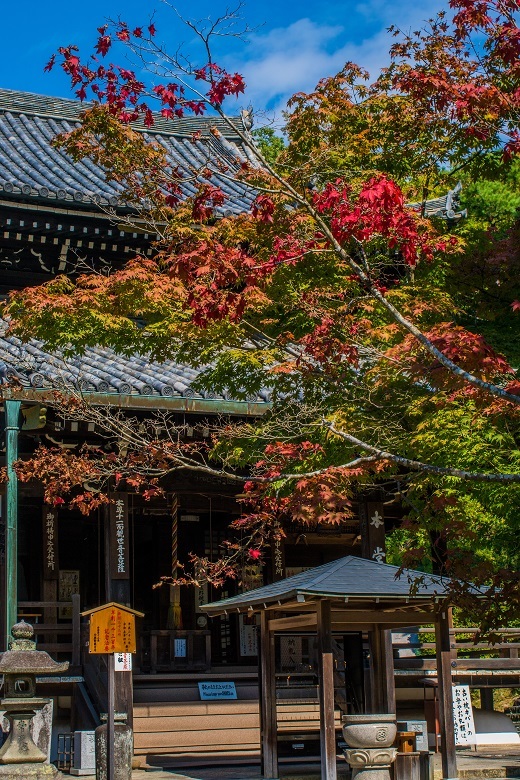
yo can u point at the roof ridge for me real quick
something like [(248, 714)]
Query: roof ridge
[(35, 104)]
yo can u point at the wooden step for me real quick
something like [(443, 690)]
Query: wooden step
[(230, 727), (174, 741)]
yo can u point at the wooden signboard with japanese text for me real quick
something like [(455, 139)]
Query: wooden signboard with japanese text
[(119, 540), (373, 537), (50, 543), (112, 630)]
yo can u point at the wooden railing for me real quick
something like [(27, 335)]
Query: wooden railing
[(49, 634), (159, 650), (466, 653), (95, 673)]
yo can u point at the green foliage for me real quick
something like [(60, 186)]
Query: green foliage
[(270, 144)]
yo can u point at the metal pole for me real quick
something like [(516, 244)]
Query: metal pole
[(110, 720), (12, 412)]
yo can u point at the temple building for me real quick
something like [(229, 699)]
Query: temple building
[(56, 562)]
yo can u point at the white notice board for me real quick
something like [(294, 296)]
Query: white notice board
[(463, 723)]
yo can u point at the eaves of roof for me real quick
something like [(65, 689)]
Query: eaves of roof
[(31, 168), (107, 377)]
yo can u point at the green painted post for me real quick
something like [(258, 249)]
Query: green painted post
[(12, 412)]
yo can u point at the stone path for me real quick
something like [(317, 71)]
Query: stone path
[(499, 762)]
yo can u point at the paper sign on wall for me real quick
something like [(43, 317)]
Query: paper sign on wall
[(180, 648), (122, 662)]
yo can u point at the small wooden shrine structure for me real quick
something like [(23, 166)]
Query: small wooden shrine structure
[(349, 594)]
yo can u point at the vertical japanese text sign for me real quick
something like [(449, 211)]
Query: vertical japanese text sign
[(463, 723), (119, 542), (50, 543), (278, 554)]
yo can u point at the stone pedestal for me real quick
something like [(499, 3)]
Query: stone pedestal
[(84, 754), (30, 772), (371, 763), (19, 747), (41, 728), (123, 751), (370, 738)]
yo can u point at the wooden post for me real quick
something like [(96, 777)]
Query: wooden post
[(387, 666), (442, 640), (326, 692), (110, 721), (377, 673), (12, 413), (76, 630), (268, 723)]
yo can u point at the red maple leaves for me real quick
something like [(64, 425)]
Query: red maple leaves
[(468, 71), (468, 350), (377, 211), (125, 94)]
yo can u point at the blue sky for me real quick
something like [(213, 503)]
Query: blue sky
[(292, 45)]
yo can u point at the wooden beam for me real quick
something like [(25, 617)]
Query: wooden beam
[(444, 658), (462, 664), (365, 616), (297, 621), (326, 692), (268, 724)]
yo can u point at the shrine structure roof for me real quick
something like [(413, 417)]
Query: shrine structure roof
[(102, 371), (32, 169), (350, 580)]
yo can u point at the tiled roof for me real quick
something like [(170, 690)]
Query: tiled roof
[(347, 577), (98, 370), (30, 167)]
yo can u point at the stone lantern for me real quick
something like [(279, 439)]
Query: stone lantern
[(20, 758)]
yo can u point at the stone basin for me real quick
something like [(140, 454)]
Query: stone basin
[(369, 731)]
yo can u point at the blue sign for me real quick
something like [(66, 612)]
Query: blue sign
[(211, 691)]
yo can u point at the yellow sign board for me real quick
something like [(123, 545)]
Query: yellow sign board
[(112, 629)]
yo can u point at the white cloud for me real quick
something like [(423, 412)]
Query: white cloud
[(290, 59)]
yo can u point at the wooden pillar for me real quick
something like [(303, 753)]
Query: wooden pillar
[(486, 699), (268, 723), (117, 584), (382, 678), (12, 413), (117, 551), (51, 565), (326, 692), (442, 640), (375, 699), (387, 666)]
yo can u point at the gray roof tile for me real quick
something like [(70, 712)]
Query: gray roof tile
[(347, 577), (30, 166), (98, 370)]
